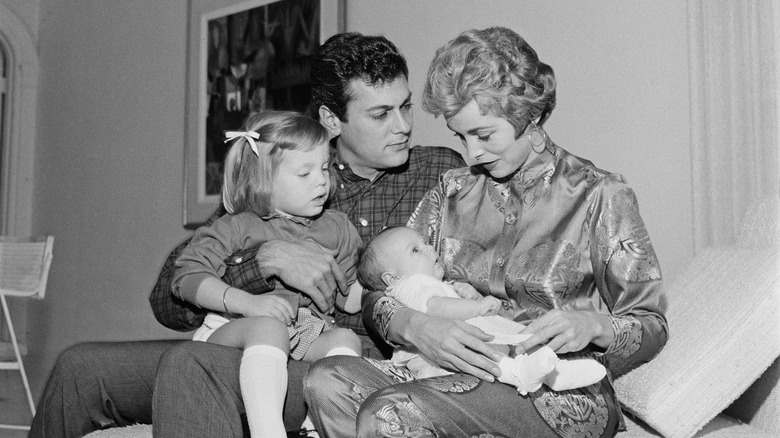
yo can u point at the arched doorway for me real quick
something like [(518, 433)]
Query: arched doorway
[(18, 104)]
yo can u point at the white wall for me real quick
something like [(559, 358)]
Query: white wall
[(111, 131), (27, 11), (109, 165)]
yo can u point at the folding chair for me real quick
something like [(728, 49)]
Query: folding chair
[(24, 270)]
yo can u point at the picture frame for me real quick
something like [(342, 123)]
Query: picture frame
[(243, 56)]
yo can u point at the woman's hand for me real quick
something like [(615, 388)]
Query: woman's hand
[(451, 344), (467, 291), (568, 330), (264, 305)]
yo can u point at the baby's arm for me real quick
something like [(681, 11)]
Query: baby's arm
[(352, 303), (349, 247), (466, 291), (462, 309)]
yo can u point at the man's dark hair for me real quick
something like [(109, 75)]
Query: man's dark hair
[(347, 56)]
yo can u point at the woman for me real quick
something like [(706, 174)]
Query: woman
[(560, 241)]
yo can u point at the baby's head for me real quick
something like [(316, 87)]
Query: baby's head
[(394, 253)]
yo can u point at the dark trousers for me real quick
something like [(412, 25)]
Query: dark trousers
[(194, 392)]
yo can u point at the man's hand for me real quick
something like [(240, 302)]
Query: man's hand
[(304, 266), (452, 344)]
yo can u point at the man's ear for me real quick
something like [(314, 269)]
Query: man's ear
[(389, 278), (330, 121)]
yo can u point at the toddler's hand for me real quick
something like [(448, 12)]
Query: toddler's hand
[(489, 305), (466, 291), (270, 305)]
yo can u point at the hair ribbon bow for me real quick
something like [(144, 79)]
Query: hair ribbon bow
[(249, 136)]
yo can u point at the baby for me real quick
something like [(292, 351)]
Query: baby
[(399, 261)]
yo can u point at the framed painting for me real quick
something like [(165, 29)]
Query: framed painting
[(243, 56)]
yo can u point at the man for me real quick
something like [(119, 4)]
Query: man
[(360, 87)]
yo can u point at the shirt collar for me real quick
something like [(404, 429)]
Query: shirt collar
[(305, 221), (344, 170)]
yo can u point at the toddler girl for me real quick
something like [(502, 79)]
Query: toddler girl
[(276, 182)]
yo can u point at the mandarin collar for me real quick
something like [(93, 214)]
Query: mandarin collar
[(531, 171)]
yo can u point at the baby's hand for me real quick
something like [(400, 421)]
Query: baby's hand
[(489, 306), (466, 291)]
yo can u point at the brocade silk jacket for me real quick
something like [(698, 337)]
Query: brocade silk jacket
[(560, 234)]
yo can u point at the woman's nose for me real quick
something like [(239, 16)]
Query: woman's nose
[(474, 150)]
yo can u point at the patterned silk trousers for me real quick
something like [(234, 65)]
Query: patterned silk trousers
[(350, 396)]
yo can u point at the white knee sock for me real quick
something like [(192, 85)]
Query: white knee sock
[(263, 378)]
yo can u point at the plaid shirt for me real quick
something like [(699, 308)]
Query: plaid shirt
[(388, 200)]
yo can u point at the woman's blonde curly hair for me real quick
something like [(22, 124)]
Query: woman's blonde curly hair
[(498, 69)]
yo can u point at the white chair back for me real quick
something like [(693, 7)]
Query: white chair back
[(24, 272), (24, 265)]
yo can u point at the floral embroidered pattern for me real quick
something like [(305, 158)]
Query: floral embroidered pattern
[(624, 241), (457, 383), (384, 309), (627, 266), (358, 395), (628, 336), (466, 260), (578, 413), (549, 273), (453, 183), (399, 373), (534, 192), (427, 216), (402, 419)]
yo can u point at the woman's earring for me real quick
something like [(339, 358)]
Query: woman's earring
[(538, 139)]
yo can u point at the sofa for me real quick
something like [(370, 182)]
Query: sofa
[(718, 374)]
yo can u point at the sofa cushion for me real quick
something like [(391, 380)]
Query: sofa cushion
[(760, 404), (760, 227), (720, 427), (134, 431), (723, 334)]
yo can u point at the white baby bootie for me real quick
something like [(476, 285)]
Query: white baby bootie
[(526, 372), (575, 373)]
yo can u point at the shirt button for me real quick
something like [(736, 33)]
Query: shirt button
[(342, 186), (511, 218), (341, 167), (499, 262), (363, 222)]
